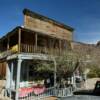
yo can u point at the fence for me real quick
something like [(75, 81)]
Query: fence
[(57, 92), (31, 96), (64, 92)]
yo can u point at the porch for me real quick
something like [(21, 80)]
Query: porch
[(21, 86), (21, 76)]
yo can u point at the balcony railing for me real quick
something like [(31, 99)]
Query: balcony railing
[(6, 53), (26, 48)]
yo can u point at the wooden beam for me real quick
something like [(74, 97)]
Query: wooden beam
[(19, 40)]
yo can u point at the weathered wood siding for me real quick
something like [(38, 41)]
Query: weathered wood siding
[(46, 27), (2, 69)]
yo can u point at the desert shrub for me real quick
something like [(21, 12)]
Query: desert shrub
[(94, 72)]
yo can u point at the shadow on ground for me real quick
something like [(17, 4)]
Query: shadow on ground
[(86, 92)]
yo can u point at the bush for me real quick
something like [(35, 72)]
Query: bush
[(91, 75), (94, 72)]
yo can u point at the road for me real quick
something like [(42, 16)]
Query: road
[(81, 97)]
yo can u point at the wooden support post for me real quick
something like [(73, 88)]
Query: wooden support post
[(36, 36), (55, 75), (7, 77), (8, 44), (19, 40), (18, 78), (74, 83), (55, 72), (60, 47), (51, 46), (11, 75), (27, 70)]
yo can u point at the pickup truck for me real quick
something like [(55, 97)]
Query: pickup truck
[(97, 88)]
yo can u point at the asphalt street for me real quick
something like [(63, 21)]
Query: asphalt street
[(81, 97)]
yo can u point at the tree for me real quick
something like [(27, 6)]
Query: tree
[(66, 64)]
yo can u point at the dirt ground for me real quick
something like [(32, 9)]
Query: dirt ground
[(51, 98), (90, 83)]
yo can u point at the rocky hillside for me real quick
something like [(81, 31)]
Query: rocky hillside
[(88, 49), (92, 52), (98, 44)]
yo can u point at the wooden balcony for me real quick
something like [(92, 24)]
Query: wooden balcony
[(26, 48), (8, 52), (25, 41)]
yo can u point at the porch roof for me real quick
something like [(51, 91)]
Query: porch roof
[(30, 56), (27, 30)]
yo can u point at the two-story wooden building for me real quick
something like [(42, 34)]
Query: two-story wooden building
[(40, 38)]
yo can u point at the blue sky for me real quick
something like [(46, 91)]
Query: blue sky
[(82, 15)]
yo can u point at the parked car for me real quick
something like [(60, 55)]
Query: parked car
[(97, 88)]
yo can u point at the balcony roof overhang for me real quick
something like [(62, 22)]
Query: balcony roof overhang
[(27, 30), (30, 56)]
